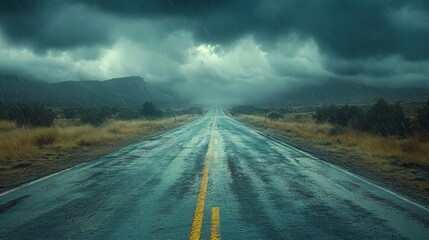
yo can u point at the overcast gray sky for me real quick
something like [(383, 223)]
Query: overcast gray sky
[(224, 46)]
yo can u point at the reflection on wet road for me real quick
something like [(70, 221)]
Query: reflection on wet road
[(214, 178)]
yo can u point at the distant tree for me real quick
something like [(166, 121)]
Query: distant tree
[(422, 120), (149, 110)]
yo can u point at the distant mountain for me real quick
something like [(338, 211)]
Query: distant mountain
[(335, 91), (118, 92)]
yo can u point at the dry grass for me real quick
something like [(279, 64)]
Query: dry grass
[(401, 162), (411, 151), (29, 153), (6, 126), (19, 144)]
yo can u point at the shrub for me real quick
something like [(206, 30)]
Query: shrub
[(382, 118), (128, 114), (32, 115), (150, 110), (386, 119), (338, 115), (422, 120), (326, 114), (274, 115), (347, 114), (45, 137), (93, 117)]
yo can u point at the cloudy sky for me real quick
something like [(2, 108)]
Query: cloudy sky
[(220, 45)]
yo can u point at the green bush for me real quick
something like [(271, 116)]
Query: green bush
[(34, 115)]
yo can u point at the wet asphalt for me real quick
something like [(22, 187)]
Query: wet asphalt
[(263, 189)]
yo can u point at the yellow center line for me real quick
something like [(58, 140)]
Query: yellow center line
[(199, 211), (215, 228), (215, 157)]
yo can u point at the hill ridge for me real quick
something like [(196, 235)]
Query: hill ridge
[(130, 91)]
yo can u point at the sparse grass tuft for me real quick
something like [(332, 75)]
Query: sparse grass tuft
[(44, 136)]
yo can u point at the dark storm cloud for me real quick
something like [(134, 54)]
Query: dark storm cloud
[(230, 45), (44, 25), (151, 8), (348, 29)]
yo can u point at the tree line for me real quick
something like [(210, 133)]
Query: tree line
[(381, 118), (38, 115)]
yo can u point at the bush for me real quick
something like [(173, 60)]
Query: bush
[(149, 110), (386, 119), (45, 137), (93, 116), (382, 118), (422, 120), (274, 115), (35, 115), (338, 115), (326, 114), (128, 114)]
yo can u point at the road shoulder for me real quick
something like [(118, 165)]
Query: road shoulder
[(401, 182), (52, 160)]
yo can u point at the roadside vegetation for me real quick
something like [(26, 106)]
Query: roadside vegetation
[(35, 140), (377, 138)]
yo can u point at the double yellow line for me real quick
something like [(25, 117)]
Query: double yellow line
[(199, 211)]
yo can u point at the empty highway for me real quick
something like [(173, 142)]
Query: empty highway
[(214, 178)]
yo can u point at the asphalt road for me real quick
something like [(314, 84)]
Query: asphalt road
[(212, 178)]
